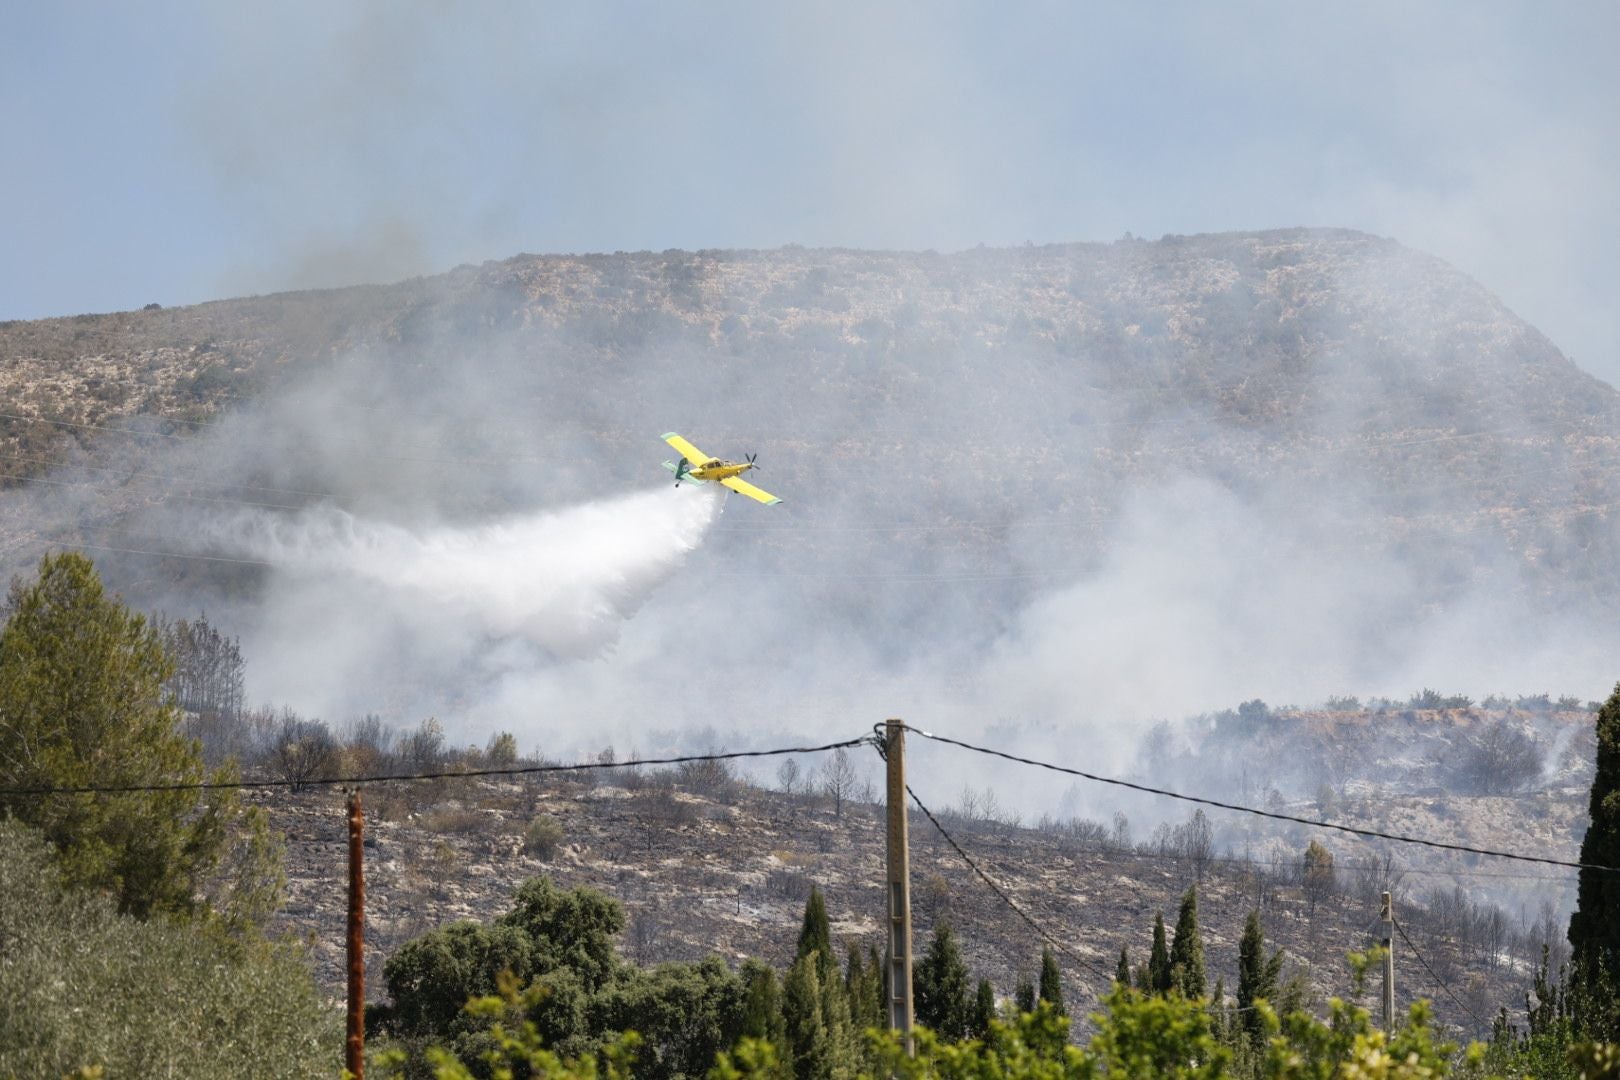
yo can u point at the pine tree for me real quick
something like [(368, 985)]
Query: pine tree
[(1122, 974), (984, 1010), (1594, 928), (1187, 949), (82, 702), (815, 935), (1316, 874), (941, 982), (1257, 974), (1159, 980), (1051, 987)]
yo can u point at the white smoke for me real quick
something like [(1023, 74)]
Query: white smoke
[(352, 597)]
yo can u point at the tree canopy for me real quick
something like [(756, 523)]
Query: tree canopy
[(83, 703)]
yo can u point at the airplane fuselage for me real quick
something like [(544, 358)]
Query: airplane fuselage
[(716, 469)]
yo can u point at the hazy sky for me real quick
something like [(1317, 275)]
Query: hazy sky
[(174, 153)]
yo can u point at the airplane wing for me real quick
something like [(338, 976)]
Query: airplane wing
[(691, 453), (686, 478), (743, 487)]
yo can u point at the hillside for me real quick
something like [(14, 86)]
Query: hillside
[(975, 389), (706, 863)]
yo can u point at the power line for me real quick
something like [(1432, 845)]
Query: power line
[(463, 774), (1007, 899), (1273, 814), (157, 494), (1438, 981), (92, 427), (1282, 864), (482, 462), (49, 542), (47, 460)]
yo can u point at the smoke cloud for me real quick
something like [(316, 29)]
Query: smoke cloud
[(1049, 498), (455, 601)]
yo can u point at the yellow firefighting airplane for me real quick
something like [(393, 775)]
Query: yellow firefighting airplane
[(698, 467)]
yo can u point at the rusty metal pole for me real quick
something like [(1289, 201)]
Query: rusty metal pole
[(355, 1051), (899, 883)]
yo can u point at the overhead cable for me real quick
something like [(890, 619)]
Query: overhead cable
[(443, 774), (1007, 899), (1438, 981), (1273, 814)]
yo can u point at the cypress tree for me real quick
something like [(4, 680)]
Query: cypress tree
[(815, 935), (762, 1005), (984, 1010), (1051, 989), (1024, 995), (942, 987), (1122, 974), (1257, 975), (880, 981), (843, 1049), (809, 1048), (1159, 960), (1187, 949), (862, 983), (1594, 928)]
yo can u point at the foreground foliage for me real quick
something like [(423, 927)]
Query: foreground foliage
[(83, 703), (559, 945), (1139, 1037), (83, 987)]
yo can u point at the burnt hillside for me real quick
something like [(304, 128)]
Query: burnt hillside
[(986, 394)]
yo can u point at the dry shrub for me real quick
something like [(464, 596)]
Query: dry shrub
[(543, 837), (663, 806), (933, 897), (786, 884), (455, 821), (386, 804), (713, 779)]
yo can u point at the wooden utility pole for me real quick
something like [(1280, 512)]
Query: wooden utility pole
[(1388, 916), (354, 1058), (899, 883)]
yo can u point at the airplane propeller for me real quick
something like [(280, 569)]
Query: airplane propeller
[(751, 461)]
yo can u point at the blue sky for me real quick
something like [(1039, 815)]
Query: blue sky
[(181, 152)]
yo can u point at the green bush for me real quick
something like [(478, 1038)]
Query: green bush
[(543, 837), (578, 996), (82, 986)]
